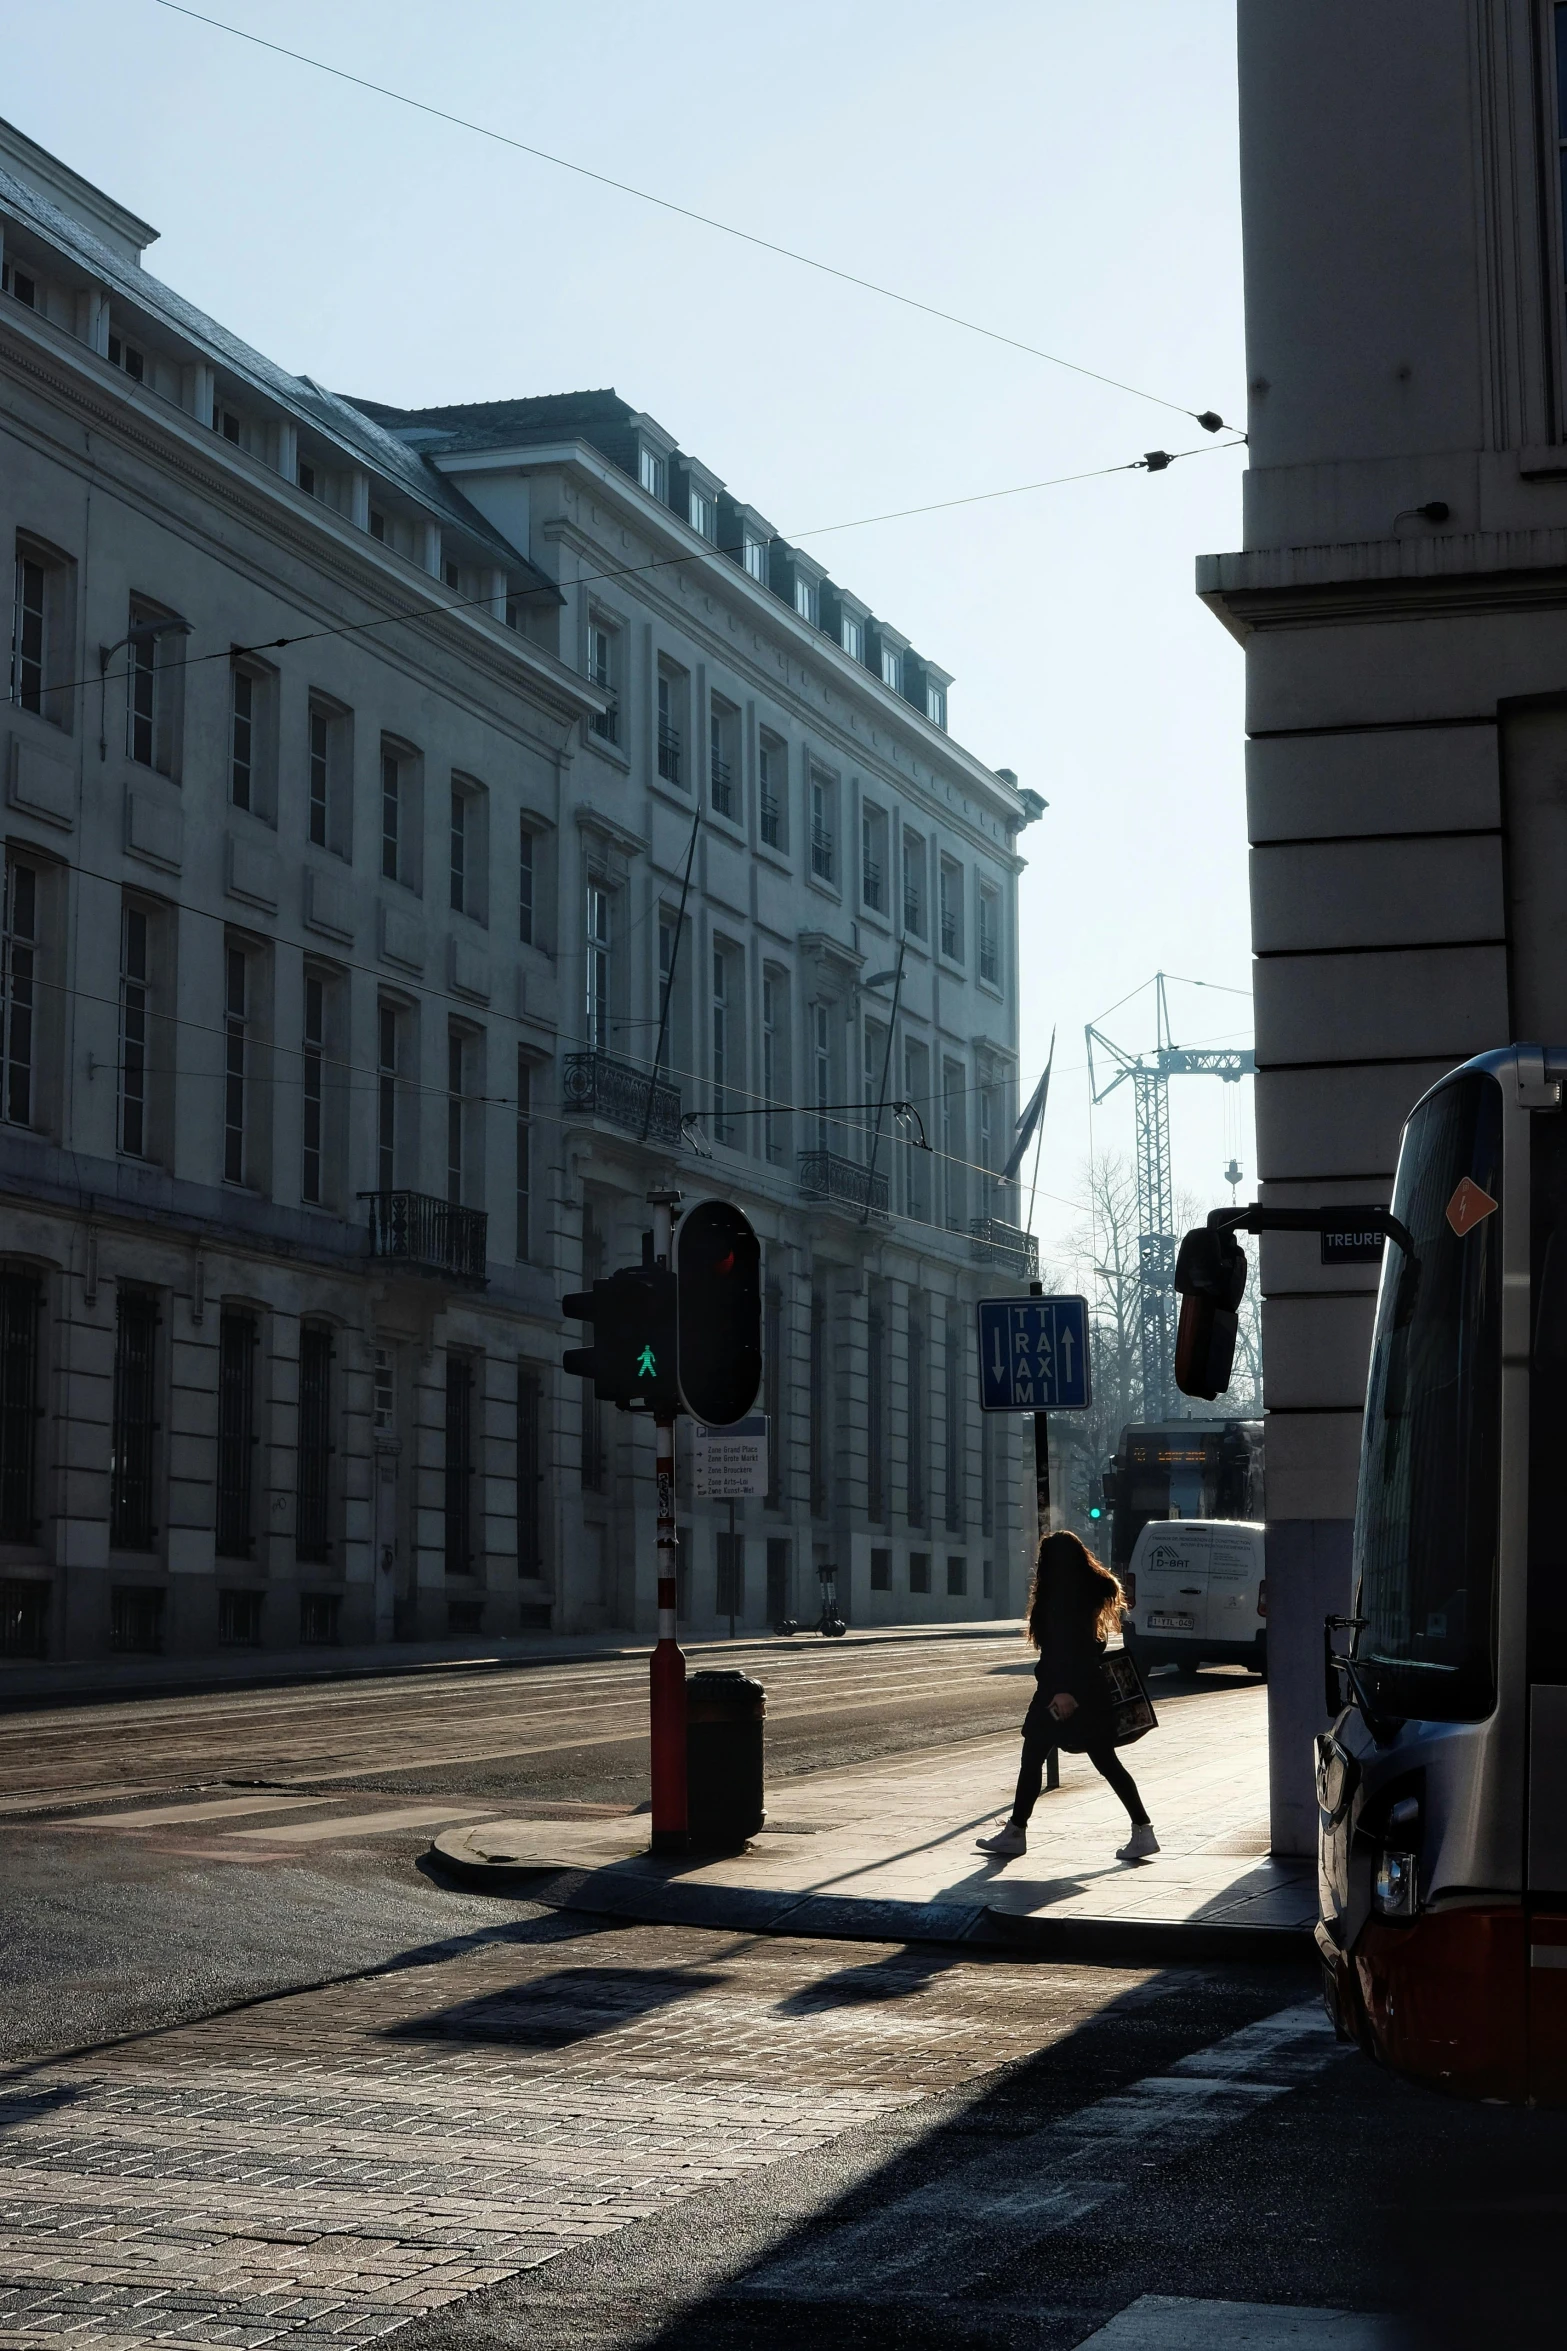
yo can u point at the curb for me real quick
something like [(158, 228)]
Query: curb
[(614, 1892)]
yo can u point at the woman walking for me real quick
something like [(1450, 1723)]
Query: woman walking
[(1073, 1608)]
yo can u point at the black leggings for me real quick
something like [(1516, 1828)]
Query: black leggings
[(1103, 1757)]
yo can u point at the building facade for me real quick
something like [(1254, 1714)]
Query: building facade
[(1402, 600), (360, 976)]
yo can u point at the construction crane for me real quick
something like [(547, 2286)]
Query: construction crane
[(1150, 1074)]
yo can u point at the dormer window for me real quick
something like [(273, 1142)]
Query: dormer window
[(377, 523), (755, 553), (307, 478), (453, 576), (225, 421), (936, 705), (703, 512), (851, 635), (892, 668), (650, 473), (16, 282), (126, 355), (805, 599)]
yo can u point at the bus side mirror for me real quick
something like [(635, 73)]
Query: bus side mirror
[(1210, 1274)]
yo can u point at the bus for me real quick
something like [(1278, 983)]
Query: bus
[(1442, 1782), (1181, 1469)]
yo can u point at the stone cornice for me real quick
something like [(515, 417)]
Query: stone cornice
[(1447, 574)]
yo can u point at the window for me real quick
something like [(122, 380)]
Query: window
[(239, 1619), (953, 1146), (318, 1615), (821, 826), (20, 1294), (459, 1048), (702, 513), (242, 735), (650, 473), (236, 1433), (936, 712), (377, 523), (919, 1482), (775, 1063), (27, 634), (459, 851), (141, 654), (387, 1027), (892, 668), (530, 1473), (126, 356), (320, 743), (986, 1102), (134, 1025), (723, 756), (18, 982), (312, 1058), (306, 478), (914, 885), (728, 1073), (953, 1395), (524, 1159), (603, 669), (134, 1424), (876, 1411), (916, 1162), (873, 860), (919, 1571), (851, 635), (236, 1039), (805, 598), (598, 968), (881, 1571), (313, 1453), (525, 885), (772, 776), (754, 555), (226, 421), (459, 1465), (821, 1071), (671, 702), (957, 1578), (951, 910), (990, 938), (391, 817), (136, 1619), (453, 575)]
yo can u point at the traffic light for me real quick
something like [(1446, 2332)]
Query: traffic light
[(720, 1262), (632, 1359)]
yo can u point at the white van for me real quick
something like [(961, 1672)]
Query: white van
[(1196, 1594)]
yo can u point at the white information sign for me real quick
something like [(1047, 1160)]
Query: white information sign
[(730, 1464)]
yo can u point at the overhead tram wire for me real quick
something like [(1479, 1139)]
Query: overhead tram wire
[(623, 571), (1208, 418)]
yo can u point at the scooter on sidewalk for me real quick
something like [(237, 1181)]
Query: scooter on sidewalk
[(830, 1624)]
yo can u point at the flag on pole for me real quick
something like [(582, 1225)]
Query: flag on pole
[(1032, 1114)]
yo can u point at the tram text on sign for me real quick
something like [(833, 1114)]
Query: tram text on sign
[(1033, 1355)]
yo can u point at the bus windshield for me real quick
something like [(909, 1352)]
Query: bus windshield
[(1426, 1524)]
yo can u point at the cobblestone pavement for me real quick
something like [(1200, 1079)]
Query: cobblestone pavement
[(322, 2168)]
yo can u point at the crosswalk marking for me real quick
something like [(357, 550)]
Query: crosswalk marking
[(218, 1808), (366, 1824), (1168, 2322)]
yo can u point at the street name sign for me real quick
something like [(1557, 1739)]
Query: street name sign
[(730, 1464), (1033, 1355)]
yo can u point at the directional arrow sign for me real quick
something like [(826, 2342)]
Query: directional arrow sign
[(1033, 1355)]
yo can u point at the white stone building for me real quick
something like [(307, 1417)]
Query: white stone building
[(350, 771), (1402, 599)]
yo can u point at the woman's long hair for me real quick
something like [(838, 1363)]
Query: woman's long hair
[(1063, 1555)]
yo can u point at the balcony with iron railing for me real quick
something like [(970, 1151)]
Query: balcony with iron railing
[(913, 913), (870, 885), (668, 752), (949, 936), (605, 723), (828, 1175), (989, 961), (600, 1086), (821, 853), (772, 829), (432, 1235), (1006, 1245)]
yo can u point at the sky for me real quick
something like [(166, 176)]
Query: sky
[(1064, 171)]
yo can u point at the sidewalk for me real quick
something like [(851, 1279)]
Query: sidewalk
[(125, 1677), (885, 1852)]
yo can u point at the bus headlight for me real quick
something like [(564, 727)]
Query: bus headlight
[(1393, 1893)]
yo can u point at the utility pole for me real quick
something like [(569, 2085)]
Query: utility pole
[(667, 1666), (1042, 1514)]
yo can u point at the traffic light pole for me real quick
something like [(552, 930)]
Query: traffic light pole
[(667, 1667)]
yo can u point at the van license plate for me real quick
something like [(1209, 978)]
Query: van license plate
[(1169, 1624)]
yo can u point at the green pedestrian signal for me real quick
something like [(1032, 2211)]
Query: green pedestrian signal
[(647, 1367)]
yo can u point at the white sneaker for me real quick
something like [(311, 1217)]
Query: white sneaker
[(1007, 1840), (1141, 1845)]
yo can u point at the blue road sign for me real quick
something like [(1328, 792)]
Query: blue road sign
[(1033, 1355)]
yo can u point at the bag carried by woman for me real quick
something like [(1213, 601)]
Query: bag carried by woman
[(1086, 1701)]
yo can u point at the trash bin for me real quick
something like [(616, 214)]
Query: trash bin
[(724, 1714)]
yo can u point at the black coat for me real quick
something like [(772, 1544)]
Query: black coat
[(1069, 1658)]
